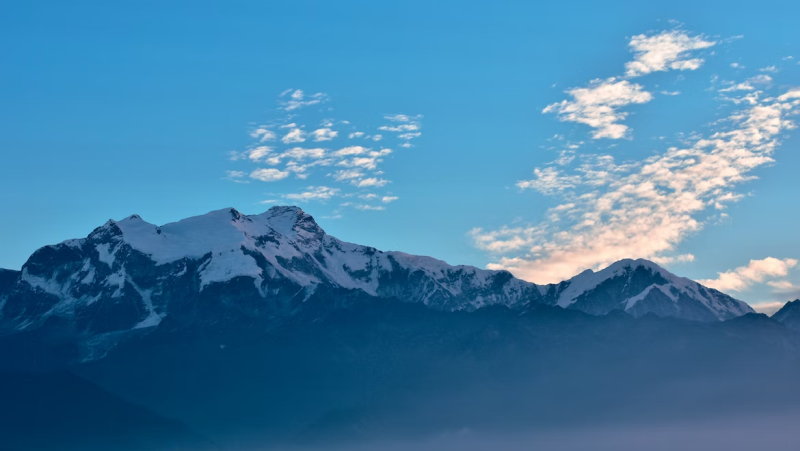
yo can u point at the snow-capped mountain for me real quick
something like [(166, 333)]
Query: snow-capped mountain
[(130, 274), (789, 315), (640, 287)]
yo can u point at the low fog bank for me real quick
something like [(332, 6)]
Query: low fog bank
[(776, 432)]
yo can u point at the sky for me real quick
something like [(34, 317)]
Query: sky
[(542, 139)]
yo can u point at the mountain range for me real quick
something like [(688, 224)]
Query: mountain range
[(233, 331), (130, 275)]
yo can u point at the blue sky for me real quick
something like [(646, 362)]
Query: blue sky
[(488, 155)]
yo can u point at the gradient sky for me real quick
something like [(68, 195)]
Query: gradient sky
[(541, 139)]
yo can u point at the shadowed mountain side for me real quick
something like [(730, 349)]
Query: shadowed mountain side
[(396, 370), (789, 315), (42, 411)]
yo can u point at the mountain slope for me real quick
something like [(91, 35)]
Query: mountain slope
[(789, 315), (62, 411), (224, 267)]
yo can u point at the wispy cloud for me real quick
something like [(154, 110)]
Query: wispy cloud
[(403, 126), (293, 99), (599, 105), (314, 193), (269, 174), (607, 209), (344, 161), (643, 209)]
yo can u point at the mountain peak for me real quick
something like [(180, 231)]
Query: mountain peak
[(639, 286), (289, 219), (634, 263), (789, 314)]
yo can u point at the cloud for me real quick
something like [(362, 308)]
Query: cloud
[(749, 84), (370, 182), (347, 174), (314, 193), (664, 51), (757, 271), (405, 127), (258, 153), (360, 162), (236, 176), (294, 135), (278, 153), (300, 153), (269, 174), (351, 150), (548, 180), (364, 207), (598, 106), (641, 209), (293, 99), (768, 308), (324, 134), (263, 134)]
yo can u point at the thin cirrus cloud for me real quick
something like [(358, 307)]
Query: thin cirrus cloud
[(343, 163), (293, 99), (609, 210), (599, 105)]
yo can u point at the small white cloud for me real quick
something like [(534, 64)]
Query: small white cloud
[(236, 176), (404, 126), (314, 193), (295, 135), (370, 163), (370, 182), (548, 181), (297, 98), (350, 150), (669, 259), (366, 207), (300, 153), (598, 106), (258, 153), (664, 51), (269, 174), (263, 134), (324, 134), (347, 174), (388, 199), (757, 271)]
